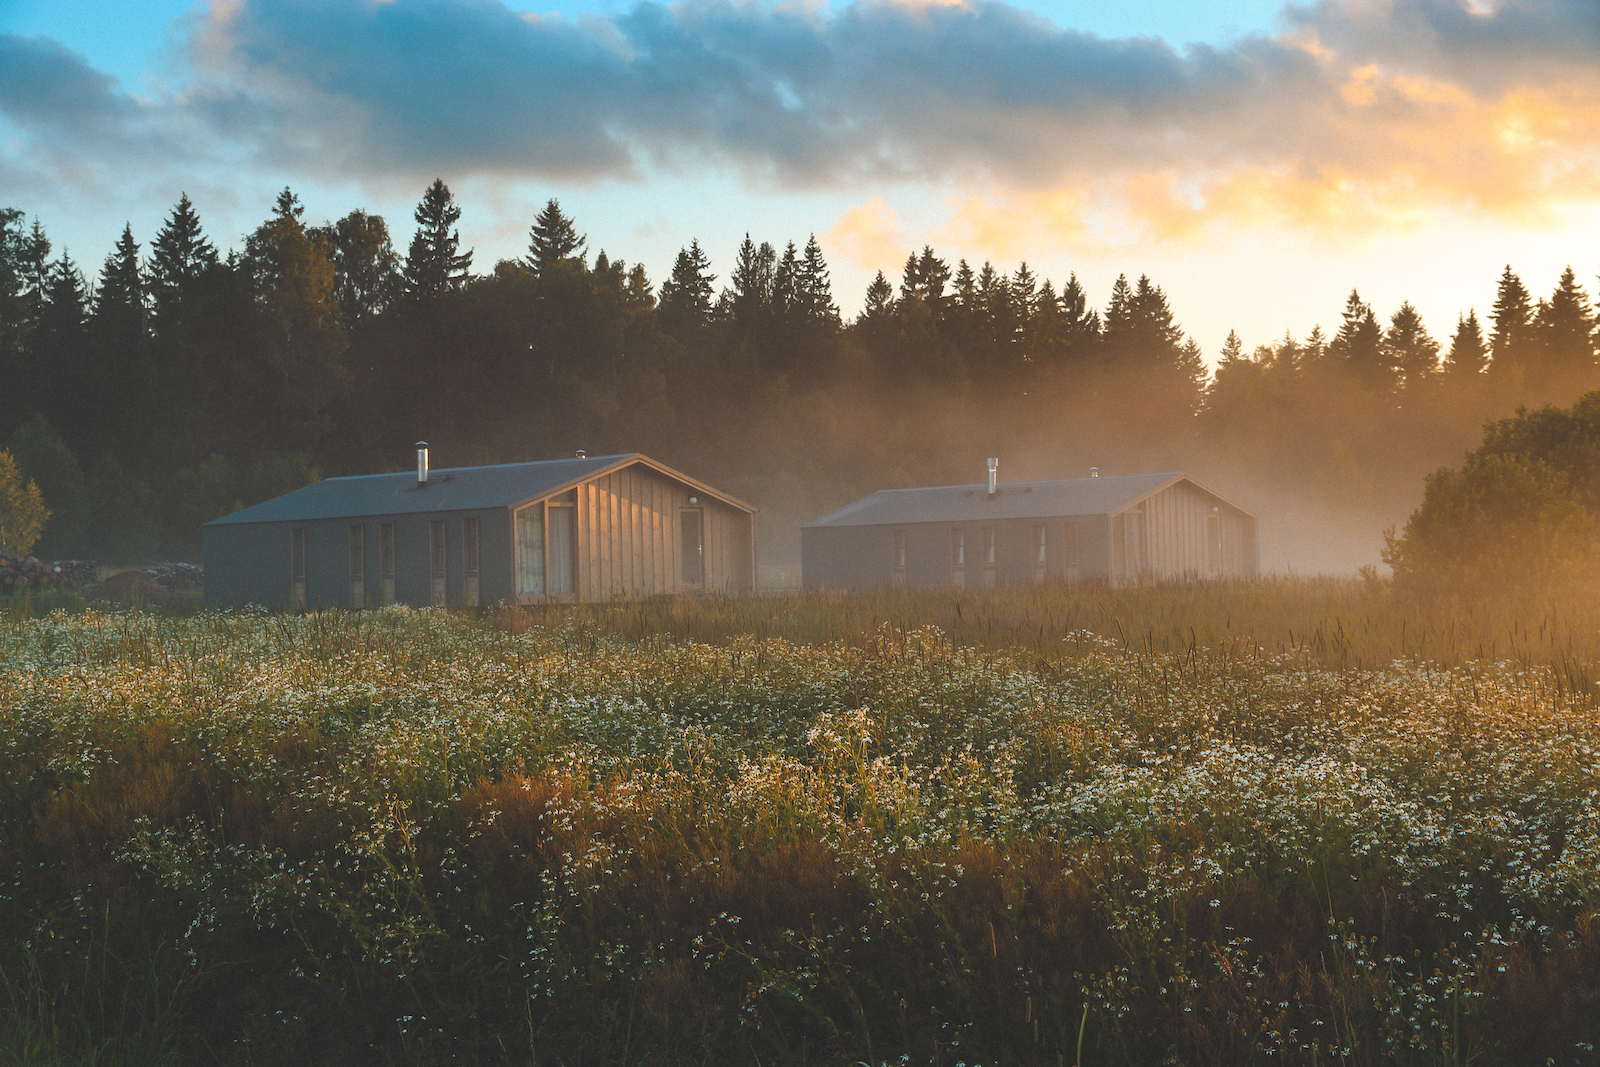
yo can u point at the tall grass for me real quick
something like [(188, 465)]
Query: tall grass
[(1361, 623), (561, 837)]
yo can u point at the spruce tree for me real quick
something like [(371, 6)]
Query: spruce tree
[(813, 286), (1563, 333), (1359, 345), (118, 382), (1409, 348), (1080, 324), (435, 266), (179, 256), (879, 303), (686, 294), (553, 239), (1513, 323), (1469, 353)]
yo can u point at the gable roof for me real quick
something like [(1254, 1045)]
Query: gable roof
[(1013, 500), (449, 489)]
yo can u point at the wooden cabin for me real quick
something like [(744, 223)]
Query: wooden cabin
[(1123, 529), (588, 528)]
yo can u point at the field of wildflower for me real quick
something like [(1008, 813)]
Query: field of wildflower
[(803, 830)]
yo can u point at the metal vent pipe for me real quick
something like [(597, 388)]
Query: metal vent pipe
[(1094, 472), (994, 472), (422, 464)]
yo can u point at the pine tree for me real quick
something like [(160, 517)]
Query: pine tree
[(1563, 336), (288, 206), (554, 239), (13, 308), (1513, 323), (879, 304), (1409, 348), (749, 296), (814, 288), (179, 256), (785, 284), (1232, 349), (1359, 345), (61, 342), (686, 294), (1080, 324), (1469, 353), (35, 264), (118, 376), (435, 266)]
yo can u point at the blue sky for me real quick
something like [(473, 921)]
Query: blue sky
[(1255, 160)]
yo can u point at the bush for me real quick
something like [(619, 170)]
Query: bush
[(1498, 521)]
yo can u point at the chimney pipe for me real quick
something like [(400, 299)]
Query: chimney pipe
[(582, 454), (994, 470), (1094, 472), (422, 464)]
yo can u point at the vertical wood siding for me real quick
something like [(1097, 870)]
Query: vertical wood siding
[(629, 537), (1176, 545)]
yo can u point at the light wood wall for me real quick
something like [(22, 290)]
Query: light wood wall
[(1176, 544), (629, 543)]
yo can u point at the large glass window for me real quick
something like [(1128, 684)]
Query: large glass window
[(530, 551)]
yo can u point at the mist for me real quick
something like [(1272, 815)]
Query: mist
[(177, 383)]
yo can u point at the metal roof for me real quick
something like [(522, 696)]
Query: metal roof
[(449, 489), (1014, 500)]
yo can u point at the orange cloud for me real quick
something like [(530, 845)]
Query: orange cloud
[(867, 235)]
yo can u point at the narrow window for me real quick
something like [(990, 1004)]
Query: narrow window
[(563, 548), (469, 562), (530, 551), (1069, 545), (358, 567), (1214, 542), (692, 534), (386, 563), (436, 562), (1038, 546), (899, 550), (297, 568), (958, 558), (469, 546), (1135, 552), (988, 546)]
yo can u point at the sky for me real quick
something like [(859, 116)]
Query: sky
[(1257, 160)]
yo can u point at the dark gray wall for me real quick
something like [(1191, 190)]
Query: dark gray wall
[(860, 557), (249, 562)]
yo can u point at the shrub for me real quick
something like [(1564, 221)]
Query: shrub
[(1501, 520)]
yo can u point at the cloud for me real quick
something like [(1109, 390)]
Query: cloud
[(1362, 115), (868, 236)]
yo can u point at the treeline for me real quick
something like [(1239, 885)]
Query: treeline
[(179, 383)]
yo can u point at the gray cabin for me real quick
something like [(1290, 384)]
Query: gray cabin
[(588, 528), (1122, 529)]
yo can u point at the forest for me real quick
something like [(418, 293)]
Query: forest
[(178, 383)]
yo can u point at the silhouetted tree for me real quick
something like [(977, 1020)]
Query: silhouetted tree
[(435, 264)]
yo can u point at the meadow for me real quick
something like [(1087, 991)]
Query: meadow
[(1278, 822)]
